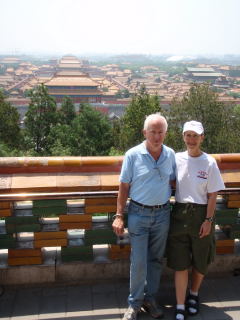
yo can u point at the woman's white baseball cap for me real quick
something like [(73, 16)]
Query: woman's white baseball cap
[(193, 126)]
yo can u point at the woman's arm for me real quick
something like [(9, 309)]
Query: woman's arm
[(207, 224)]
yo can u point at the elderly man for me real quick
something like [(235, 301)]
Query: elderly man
[(145, 177)]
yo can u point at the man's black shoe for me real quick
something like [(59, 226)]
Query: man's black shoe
[(153, 309)]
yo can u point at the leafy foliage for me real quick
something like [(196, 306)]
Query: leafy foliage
[(59, 140), (67, 111), (91, 133), (218, 119), (123, 94), (40, 118), (131, 125), (9, 123)]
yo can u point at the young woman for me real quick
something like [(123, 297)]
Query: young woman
[(191, 238)]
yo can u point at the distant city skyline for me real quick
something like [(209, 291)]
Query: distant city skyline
[(176, 27)]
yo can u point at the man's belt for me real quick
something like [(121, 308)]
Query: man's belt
[(157, 206)]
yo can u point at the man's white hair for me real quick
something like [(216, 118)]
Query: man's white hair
[(152, 117)]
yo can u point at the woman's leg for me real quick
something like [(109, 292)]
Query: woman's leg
[(197, 279), (181, 283), (193, 299)]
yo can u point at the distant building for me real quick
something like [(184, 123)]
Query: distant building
[(10, 61), (199, 70), (70, 81), (78, 88), (69, 63), (208, 76), (203, 74)]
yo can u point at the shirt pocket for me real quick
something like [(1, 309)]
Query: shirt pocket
[(165, 171), (142, 171)]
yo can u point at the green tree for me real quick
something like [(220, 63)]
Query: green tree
[(126, 93), (123, 93), (141, 105), (9, 123), (116, 130), (201, 103), (4, 150), (59, 149), (235, 95), (60, 139), (91, 133), (237, 110), (40, 118), (118, 94), (67, 111)]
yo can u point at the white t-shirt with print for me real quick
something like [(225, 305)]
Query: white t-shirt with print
[(196, 177)]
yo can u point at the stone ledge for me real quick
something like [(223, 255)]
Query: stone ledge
[(88, 272)]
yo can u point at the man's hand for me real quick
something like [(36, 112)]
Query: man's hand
[(118, 225)]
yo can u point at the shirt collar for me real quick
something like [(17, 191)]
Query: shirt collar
[(144, 150)]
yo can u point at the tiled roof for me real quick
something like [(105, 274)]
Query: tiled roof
[(75, 92), (207, 74), (200, 69), (70, 65), (70, 73), (71, 81)]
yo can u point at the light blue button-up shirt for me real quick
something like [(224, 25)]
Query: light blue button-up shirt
[(149, 179)]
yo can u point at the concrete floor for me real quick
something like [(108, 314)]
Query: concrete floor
[(220, 300)]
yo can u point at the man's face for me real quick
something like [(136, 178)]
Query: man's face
[(155, 134)]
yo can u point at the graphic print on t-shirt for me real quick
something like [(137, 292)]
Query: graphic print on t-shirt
[(202, 174)]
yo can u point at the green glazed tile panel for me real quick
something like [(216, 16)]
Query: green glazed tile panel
[(7, 241), (13, 228), (226, 220), (99, 237), (226, 216), (49, 211), (49, 203), (235, 231), (227, 212), (22, 224), (83, 253), (21, 220)]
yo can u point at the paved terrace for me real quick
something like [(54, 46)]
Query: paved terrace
[(220, 300)]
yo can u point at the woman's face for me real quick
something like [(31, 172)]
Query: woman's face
[(192, 140)]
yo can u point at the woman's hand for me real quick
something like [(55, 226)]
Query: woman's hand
[(205, 229)]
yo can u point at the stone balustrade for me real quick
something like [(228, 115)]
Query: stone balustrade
[(66, 220)]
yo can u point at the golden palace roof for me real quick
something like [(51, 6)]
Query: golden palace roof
[(71, 81)]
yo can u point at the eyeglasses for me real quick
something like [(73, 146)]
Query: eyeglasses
[(158, 171)]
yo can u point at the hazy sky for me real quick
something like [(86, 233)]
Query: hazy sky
[(120, 26)]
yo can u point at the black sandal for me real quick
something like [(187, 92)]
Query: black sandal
[(194, 305), (182, 312)]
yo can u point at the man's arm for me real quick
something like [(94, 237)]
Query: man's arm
[(118, 223)]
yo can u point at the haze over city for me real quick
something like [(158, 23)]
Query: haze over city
[(186, 27)]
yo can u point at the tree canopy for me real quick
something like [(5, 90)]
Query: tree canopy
[(67, 111), (200, 103), (49, 131), (9, 123), (91, 132), (40, 118), (131, 124)]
